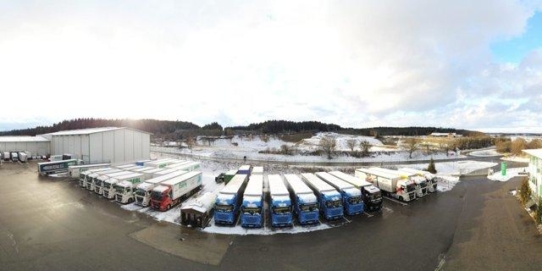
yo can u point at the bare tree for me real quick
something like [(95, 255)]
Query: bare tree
[(328, 145), (365, 146), (411, 145), (190, 142), (351, 143), (285, 149)]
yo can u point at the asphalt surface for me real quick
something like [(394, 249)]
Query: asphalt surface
[(52, 224)]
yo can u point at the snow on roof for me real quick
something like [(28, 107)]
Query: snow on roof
[(277, 186), (92, 131), (166, 177), (317, 183), (203, 203), (536, 152), (182, 178), (297, 185), (8, 139), (254, 187), (350, 179), (145, 186), (235, 183), (257, 170), (380, 173), (334, 181)]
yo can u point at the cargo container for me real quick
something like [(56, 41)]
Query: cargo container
[(47, 168), (143, 190), (420, 182), (429, 177), (23, 157), (172, 192), (14, 156), (372, 196), (393, 185), (199, 212)]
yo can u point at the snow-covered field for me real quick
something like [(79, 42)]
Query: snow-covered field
[(250, 147)]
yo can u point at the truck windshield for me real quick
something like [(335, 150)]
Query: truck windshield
[(82, 176), (309, 207), (374, 196), (156, 195), (411, 187), (141, 192), (354, 200), (119, 189), (423, 184), (224, 208), (99, 183), (281, 210), (333, 203), (251, 210), (107, 185)]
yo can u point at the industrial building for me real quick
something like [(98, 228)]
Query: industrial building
[(535, 172), (36, 145), (108, 144)]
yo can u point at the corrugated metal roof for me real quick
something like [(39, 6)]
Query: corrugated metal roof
[(534, 152), (92, 131), (6, 139)]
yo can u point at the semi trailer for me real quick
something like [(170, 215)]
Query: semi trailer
[(352, 202), (280, 205), (421, 183), (329, 199), (304, 200), (252, 206), (392, 185), (143, 190), (125, 187), (229, 199), (372, 196), (429, 177), (172, 192)]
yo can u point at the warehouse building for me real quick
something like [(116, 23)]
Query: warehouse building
[(535, 172), (108, 144), (36, 145), (96, 145)]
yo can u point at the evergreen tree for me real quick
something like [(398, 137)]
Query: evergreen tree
[(525, 191), (538, 214), (431, 168)]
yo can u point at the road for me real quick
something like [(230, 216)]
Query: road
[(52, 224)]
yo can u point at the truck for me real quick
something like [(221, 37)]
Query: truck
[(94, 178), (151, 173), (98, 186), (304, 200), (229, 175), (280, 205), (75, 171), (125, 187), (161, 163), (172, 192), (6, 156), (46, 168), (84, 175), (257, 171), (244, 169), (229, 200), (329, 199), (352, 201), (252, 206), (199, 212), (14, 156), (372, 196), (420, 182), (392, 185), (108, 185), (190, 166), (23, 157), (165, 171), (143, 190), (429, 177)]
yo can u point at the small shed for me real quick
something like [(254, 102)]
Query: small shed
[(199, 212)]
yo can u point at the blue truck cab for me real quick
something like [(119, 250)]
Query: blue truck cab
[(351, 196), (280, 207), (304, 201), (228, 201), (329, 199), (252, 207)]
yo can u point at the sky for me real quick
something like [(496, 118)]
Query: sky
[(460, 64)]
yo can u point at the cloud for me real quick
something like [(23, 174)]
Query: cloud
[(353, 63)]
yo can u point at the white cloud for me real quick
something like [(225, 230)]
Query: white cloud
[(353, 63)]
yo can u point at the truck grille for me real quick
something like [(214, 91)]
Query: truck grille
[(251, 220), (139, 201), (336, 212), (310, 217), (119, 198), (282, 219), (221, 218), (424, 191), (106, 194)]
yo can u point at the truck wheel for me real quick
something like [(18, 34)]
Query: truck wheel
[(401, 198)]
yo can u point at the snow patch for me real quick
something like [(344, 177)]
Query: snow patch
[(238, 230), (510, 173)]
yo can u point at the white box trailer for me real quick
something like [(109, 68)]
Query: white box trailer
[(125, 187), (151, 173), (179, 163), (420, 182), (125, 166), (429, 177), (75, 171), (143, 190), (141, 169), (396, 186), (190, 166), (161, 163), (23, 157), (99, 181), (172, 192), (165, 171), (257, 171), (84, 175)]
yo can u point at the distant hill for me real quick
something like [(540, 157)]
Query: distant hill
[(174, 130)]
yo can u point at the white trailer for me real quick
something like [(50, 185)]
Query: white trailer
[(178, 163), (125, 166), (75, 171), (125, 187), (89, 182), (99, 181), (165, 171), (431, 179), (143, 190), (151, 173), (161, 163), (108, 185), (393, 185), (172, 192), (141, 169), (190, 166), (352, 201), (421, 183), (84, 175), (305, 202), (257, 171), (372, 196)]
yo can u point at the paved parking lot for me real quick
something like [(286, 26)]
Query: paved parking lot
[(48, 224)]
